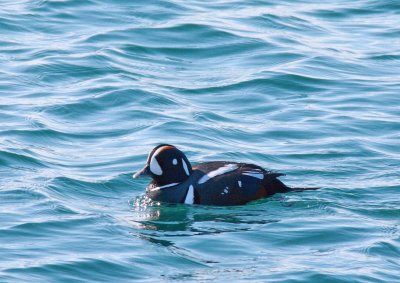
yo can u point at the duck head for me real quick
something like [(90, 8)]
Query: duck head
[(166, 165)]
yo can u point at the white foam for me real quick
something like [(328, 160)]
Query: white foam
[(222, 170)]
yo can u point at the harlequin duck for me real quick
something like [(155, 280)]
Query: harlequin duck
[(209, 183)]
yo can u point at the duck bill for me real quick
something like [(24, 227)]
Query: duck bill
[(145, 172)]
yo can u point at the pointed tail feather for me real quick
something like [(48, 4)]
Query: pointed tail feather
[(279, 187), (302, 189)]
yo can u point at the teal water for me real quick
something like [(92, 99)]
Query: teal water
[(307, 88)]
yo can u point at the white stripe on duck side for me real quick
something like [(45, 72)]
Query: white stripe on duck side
[(222, 170), (190, 195), (253, 174)]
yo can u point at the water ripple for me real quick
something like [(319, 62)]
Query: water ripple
[(309, 89)]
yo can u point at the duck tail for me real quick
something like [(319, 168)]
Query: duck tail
[(278, 186), (303, 189)]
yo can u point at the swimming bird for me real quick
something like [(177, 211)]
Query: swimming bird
[(175, 180)]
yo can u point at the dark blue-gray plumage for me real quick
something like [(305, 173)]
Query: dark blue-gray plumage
[(209, 183)]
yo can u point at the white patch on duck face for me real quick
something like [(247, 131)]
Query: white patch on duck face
[(185, 167), (174, 161), (190, 195), (155, 167), (254, 174), (240, 184), (222, 170), (151, 159), (163, 187)]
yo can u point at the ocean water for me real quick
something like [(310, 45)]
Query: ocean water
[(307, 88)]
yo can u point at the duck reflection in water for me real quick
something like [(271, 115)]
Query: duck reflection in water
[(155, 222)]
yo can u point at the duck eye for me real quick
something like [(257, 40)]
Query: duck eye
[(174, 161)]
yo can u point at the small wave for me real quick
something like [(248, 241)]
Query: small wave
[(13, 159)]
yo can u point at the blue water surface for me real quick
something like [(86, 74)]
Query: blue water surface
[(307, 88)]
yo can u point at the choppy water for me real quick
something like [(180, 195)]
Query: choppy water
[(307, 88)]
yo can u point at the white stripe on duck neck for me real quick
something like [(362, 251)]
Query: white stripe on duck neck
[(164, 186), (222, 170)]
